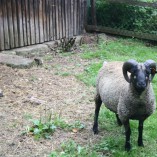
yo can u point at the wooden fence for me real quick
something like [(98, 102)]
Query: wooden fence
[(28, 22), (121, 31)]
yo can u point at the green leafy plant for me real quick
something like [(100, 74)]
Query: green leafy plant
[(71, 149), (41, 128), (46, 127)]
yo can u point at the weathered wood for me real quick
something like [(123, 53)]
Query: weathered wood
[(57, 21), (75, 15), (60, 19), (10, 24), (72, 18), (24, 22), (19, 24), (63, 18), (48, 20), (5, 22), (51, 21), (121, 32), (41, 28), (78, 15), (85, 15), (81, 16), (32, 26), (44, 20), (27, 22), (54, 19), (1, 28), (36, 20)]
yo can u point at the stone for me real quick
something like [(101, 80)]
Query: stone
[(32, 51), (15, 61)]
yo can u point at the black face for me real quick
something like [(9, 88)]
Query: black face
[(140, 77)]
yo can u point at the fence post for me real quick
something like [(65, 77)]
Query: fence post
[(93, 12)]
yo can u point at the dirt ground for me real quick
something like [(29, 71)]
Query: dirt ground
[(62, 95)]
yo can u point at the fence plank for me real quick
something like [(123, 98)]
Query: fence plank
[(10, 24), (78, 19), (32, 26), (24, 22), (69, 20), (41, 28), (72, 18), (82, 16), (19, 24), (14, 11), (1, 28), (51, 20), (48, 19), (57, 21), (121, 32), (60, 19), (54, 20), (6, 30), (44, 20), (36, 20), (27, 18), (63, 17), (75, 19)]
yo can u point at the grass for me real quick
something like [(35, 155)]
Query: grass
[(116, 50), (113, 142)]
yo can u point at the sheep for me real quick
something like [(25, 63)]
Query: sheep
[(129, 96)]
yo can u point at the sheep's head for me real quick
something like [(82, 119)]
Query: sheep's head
[(140, 73)]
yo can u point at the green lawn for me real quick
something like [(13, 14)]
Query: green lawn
[(113, 142)]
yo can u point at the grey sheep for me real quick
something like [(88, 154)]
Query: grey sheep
[(129, 96)]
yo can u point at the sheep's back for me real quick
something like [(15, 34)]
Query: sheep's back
[(110, 84)]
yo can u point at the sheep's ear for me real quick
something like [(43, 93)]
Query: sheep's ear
[(152, 66), (127, 67)]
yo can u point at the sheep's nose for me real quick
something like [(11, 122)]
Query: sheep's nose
[(141, 84)]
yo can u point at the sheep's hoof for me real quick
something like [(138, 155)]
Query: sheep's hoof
[(119, 123), (140, 144), (127, 147), (95, 130)]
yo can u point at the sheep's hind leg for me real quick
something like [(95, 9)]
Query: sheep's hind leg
[(98, 103), (127, 135), (140, 131), (118, 120)]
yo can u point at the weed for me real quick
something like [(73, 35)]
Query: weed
[(41, 128), (46, 127), (71, 149)]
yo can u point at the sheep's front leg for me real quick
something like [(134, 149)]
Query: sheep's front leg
[(127, 135), (98, 103), (140, 133), (118, 120)]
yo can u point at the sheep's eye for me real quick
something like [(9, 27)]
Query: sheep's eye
[(134, 77)]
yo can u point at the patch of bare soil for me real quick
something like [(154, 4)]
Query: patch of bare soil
[(62, 95)]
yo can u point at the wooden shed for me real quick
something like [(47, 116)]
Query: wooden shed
[(28, 22)]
